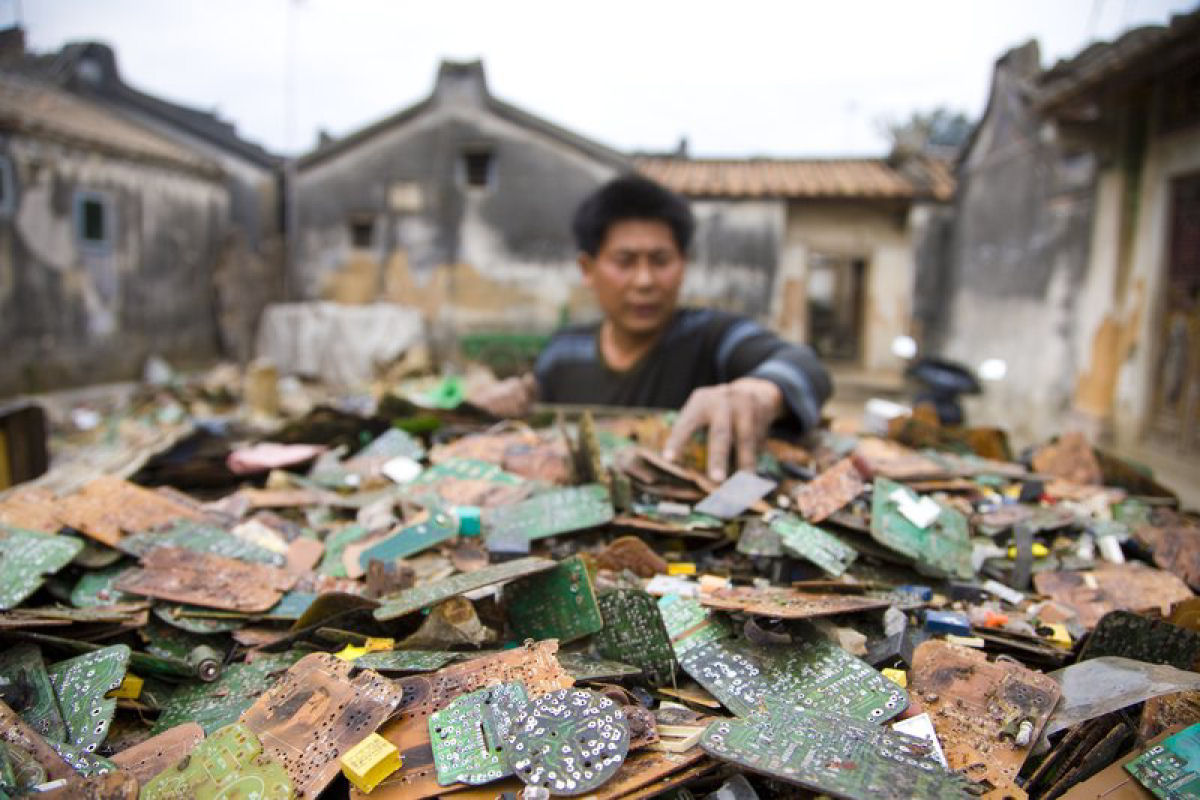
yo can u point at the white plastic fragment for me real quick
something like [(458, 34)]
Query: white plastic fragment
[(921, 726)]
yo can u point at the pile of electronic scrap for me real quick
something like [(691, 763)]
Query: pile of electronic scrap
[(417, 603)]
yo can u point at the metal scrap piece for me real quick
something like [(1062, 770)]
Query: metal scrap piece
[(315, 712), (203, 579), (1108, 683), (829, 491), (743, 489), (979, 708), (783, 603), (107, 508)]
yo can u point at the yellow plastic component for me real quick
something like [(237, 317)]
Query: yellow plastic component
[(1060, 635), (374, 645), (1039, 551), (897, 676), (350, 652), (681, 568), (130, 688), (370, 761)]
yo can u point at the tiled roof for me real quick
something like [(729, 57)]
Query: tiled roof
[(39, 109), (864, 178)]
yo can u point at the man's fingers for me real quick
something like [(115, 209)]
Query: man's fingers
[(745, 425), (691, 417), (720, 435)]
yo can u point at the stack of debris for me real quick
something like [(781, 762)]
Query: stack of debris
[(396, 601)]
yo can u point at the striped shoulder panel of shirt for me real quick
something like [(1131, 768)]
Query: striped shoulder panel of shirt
[(733, 336), (567, 348)]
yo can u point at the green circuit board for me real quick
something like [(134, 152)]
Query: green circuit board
[(634, 633), (583, 667), (411, 600), (217, 704), (550, 513), (82, 761), (556, 604), (690, 624), (569, 741), (26, 558), (811, 674), (230, 763), (943, 548), (201, 537), (80, 684), (809, 542), (335, 546), (440, 527), (831, 754), (466, 745), (95, 587), (1171, 769), (406, 661), (29, 692), (390, 444)]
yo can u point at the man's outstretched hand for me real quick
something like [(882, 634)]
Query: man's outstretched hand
[(735, 414), (512, 397)]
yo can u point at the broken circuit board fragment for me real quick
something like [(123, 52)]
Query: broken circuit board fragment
[(743, 490), (556, 604), (1123, 633), (634, 633), (203, 537), (412, 600), (988, 714), (1171, 768), (942, 545), (315, 712), (832, 754), (107, 508), (784, 603), (146, 760), (440, 527), (81, 685), (28, 690), (690, 624), (568, 742), (550, 513), (220, 703), (27, 558), (829, 492), (809, 542), (185, 576), (467, 745), (229, 763)]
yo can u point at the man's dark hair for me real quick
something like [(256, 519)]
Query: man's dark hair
[(631, 197)]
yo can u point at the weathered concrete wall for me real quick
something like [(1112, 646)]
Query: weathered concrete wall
[(1019, 254), (878, 234), (735, 255), (499, 254), (72, 315)]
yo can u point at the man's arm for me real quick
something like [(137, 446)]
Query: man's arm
[(764, 379)]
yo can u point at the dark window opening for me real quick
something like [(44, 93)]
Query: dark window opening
[(362, 232), (6, 186), (478, 167), (836, 286), (93, 220)]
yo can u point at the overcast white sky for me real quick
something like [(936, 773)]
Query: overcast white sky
[(792, 77)]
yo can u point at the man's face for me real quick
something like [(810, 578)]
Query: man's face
[(636, 276)]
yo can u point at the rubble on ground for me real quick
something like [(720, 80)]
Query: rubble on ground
[(239, 586)]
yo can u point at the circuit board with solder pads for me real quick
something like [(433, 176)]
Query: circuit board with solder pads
[(26, 558), (832, 754), (29, 692), (80, 684), (226, 764), (556, 604), (411, 600), (467, 748), (634, 633), (811, 674), (943, 547), (551, 513), (809, 542)]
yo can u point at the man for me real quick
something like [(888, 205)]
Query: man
[(729, 375)]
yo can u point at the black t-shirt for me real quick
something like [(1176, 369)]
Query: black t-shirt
[(701, 347)]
